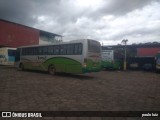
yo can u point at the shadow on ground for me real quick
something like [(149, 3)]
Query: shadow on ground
[(66, 75)]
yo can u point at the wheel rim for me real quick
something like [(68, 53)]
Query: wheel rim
[(21, 67)]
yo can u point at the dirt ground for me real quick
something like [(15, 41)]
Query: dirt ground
[(101, 91)]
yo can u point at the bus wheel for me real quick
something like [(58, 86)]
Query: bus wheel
[(119, 68), (51, 70), (21, 67)]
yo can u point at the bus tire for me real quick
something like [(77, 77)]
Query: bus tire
[(119, 68), (21, 67), (157, 71), (51, 70)]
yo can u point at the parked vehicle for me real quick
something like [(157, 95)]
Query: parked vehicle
[(110, 60), (157, 58), (7, 56), (78, 56), (141, 63)]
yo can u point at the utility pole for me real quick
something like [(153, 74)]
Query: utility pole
[(124, 41)]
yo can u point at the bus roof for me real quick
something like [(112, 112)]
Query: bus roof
[(72, 41)]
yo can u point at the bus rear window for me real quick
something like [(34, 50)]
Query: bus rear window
[(94, 46)]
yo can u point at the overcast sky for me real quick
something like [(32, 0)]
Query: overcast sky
[(108, 21)]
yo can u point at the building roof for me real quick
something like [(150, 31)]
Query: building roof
[(151, 45)]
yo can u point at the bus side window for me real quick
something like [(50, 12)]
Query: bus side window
[(40, 51), (45, 51), (56, 50), (78, 49), (50, 50), (70, 49), (31, 51), (35, 51), (63, 50), (28, 51), (23, 51)]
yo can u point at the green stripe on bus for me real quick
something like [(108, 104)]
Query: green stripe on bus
[(63, 64), (92, 66)]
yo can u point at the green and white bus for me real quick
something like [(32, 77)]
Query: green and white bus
[(77, 56), (110, 60)]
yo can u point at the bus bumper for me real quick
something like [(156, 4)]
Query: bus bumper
[(89, 70), (158, 67)]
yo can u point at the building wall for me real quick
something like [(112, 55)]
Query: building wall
[(14, 35), (141, 52), (44, 40)]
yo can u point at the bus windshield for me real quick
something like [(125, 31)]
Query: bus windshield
[(93, 46)]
